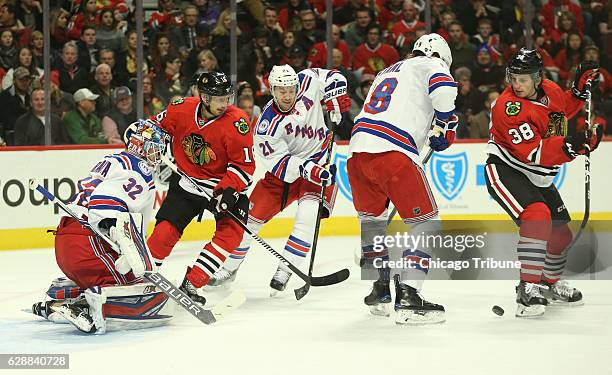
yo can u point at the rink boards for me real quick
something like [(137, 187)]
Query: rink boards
[(456, 176)]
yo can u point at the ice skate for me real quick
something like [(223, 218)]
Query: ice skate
[(188, 288), (78, 315), (412, 309), (529, 299), (562, 294), (279, 281), (379, 298), (223, 277)]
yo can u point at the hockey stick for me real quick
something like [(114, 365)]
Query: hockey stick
[(330, 279), (205, 316), (301, 292), (587, 167), (394, 210)]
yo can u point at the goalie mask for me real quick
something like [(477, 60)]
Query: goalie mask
[(283, 76), (146, 140)]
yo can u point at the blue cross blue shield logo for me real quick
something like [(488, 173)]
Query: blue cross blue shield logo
[(342, 176), (449, 173)]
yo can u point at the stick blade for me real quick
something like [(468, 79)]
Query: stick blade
[(302, 291), (334, 278)]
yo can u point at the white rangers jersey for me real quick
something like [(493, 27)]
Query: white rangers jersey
[(119, 183), (399, 109), (286, 141)]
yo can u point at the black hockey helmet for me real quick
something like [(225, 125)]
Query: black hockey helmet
[(526, 61), (215, 84)]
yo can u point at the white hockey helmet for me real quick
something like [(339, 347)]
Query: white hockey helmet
[(432, 43), (283, 76)]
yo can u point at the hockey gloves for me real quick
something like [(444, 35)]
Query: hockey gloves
[(337, 106), (317, 174), (576, 145), (444, 133), (587, 71), (228, 199), (223, 200)]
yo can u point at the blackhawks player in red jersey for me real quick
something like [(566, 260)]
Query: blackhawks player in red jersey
[(212, 143), (528, 144)]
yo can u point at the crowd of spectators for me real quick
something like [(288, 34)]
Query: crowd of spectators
[(94, 42)]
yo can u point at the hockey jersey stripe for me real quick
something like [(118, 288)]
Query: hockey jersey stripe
[(246, 178), (386, 131), (274, 124), (440, 77), (105, 202), (433, 87), (539, 170), (502, 192), (281, 167), (304, 86)]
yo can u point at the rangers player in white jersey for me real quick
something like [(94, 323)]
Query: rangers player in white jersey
[(116, 198), (384, 165), (292, 140)]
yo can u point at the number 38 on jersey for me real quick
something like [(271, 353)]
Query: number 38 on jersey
[(523, 133)]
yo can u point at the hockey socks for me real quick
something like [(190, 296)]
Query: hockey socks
[(162, 241), (534, 233), (556, 253)]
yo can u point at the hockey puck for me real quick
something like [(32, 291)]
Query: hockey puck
[(497, 310)]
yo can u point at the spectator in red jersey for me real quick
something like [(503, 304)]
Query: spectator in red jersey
[(373, 56), (551, 12), (570, 55), (356, 31), (318, 53), (403, 32), (390, 14), (167, 17), (87, 15)]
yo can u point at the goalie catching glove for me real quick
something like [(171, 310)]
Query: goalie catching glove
[(318, 174), (134, 256), (577, 144), (443, 133)]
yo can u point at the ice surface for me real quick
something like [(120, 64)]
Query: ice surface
[(329, 331)]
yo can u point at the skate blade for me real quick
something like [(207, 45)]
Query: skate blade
[(419, 317), (380, 309), (534, 311), (274, 292), (560, 303), (80, 322)]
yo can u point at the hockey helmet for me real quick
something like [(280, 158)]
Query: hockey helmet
[(282, 76), (432, 43), (146, 140), (526, 61), (215, 84)]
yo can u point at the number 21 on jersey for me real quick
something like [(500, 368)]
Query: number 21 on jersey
[(381, 96)]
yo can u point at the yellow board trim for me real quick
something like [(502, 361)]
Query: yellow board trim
[(32, 238)]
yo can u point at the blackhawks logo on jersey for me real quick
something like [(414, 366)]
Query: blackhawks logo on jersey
[(242, 126), (178, 101), (197, 150), (513, 108)]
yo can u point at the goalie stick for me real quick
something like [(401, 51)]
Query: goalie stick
[(334, 278), (182, 299), (303, 290)]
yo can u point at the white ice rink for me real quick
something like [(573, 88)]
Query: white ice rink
[(329, 332)]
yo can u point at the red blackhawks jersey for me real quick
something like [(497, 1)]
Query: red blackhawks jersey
[(217, 153), (373, 60), (520, 135)]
